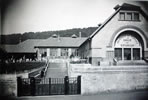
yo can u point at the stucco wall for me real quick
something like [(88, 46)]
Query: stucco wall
[(109, 79), (106, 35), (146, 53), (8, 83), (106, 82)]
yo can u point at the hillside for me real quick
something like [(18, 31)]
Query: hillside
[(16, 38)]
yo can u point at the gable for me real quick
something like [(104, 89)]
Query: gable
[(124, 8)]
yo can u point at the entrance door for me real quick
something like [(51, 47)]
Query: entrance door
[(127, 47), (127, 53), (118, 53), (136, 53)]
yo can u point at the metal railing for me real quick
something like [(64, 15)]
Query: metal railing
[(48, 86)]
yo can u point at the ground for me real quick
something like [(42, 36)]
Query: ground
[(56, 70), (131, 95)]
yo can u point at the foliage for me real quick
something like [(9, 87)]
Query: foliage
[(19, 66), (17, 37)]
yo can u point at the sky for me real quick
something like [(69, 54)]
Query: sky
[(21, 16)]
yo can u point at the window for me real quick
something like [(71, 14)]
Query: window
[(129, 16), (118, 53), (127, 53), (122, 16), (64, 52), (43, 52), (136, 53), (53, 52), (136, 16)]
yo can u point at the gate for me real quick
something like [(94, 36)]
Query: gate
[(48, 86)]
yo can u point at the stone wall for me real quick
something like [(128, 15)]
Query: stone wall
[(109, 79), (97, 83), (8, 83)]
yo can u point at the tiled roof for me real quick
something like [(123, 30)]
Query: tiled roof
[(28, 45), (61, 42), (126, 6), (23, 47), (9, 48)]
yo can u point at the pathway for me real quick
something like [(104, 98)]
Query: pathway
[(56, 70)]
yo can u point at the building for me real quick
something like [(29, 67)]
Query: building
[(123, 37), (52, 47), (23, 50), (59, 47)]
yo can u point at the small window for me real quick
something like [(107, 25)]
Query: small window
[(129, 16), (136, 16), (54, 52), (118, 53), (122, 16), (64, 52)]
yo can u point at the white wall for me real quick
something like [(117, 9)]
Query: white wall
[(109, 79), (107, 82), (8, 83), (103, 38)]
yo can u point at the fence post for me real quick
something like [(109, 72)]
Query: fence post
[(66, 83), (49, 86), (79, 85), (32, 86), (19, 86)]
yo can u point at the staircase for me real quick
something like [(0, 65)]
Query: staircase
[(133, 63), (57, 70)]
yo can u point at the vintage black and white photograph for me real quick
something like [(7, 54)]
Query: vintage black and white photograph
[(74, 50)]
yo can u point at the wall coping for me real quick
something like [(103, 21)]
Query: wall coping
[(100, 69)]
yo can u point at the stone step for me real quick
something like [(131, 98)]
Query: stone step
[(135, 62), (56, 70)]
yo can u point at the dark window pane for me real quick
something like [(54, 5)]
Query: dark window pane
[(53, 52), (64, 52), (127, 53), (136, 53), (122, 16), (129, 16), (118, 53), (136, 16), (43, 52)]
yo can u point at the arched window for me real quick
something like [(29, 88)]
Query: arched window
[(128, 47)]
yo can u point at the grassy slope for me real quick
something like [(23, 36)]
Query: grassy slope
[(20, 67)]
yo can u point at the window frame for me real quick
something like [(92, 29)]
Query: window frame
[(53, 52), (125, 18), (120, 18), (136, 13)]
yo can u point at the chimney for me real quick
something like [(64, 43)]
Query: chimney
[(80, 35), (58, 38)]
